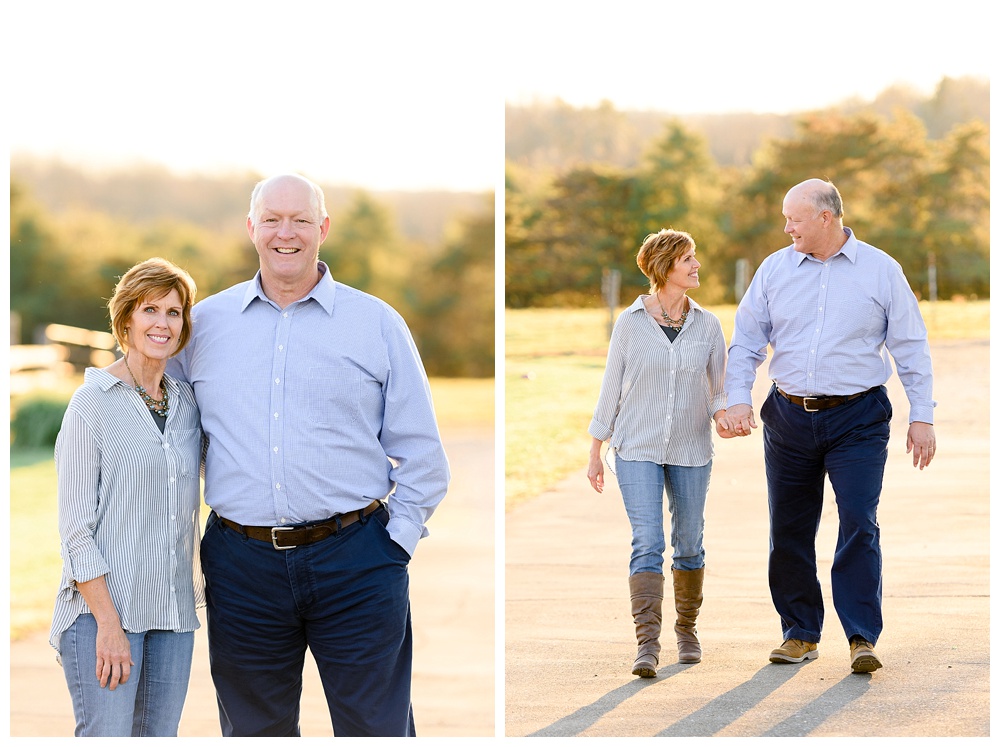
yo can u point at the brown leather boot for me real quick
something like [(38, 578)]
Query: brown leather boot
[(687, 602), (646, 590)]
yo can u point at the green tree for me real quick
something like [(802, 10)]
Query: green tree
[(454, 294), (364, 251)]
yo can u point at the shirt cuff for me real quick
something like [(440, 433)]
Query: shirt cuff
[(738, 397), (405, 534), (599, 431), (922, 413)]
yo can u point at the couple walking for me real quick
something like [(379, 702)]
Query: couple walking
[(832, 308)]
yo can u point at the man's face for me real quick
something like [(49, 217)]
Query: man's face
[(287, 231), (804, 223)]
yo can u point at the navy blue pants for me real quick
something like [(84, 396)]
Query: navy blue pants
[(345, 597), (849, 444)]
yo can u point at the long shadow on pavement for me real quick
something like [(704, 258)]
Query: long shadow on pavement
[(809, 717), (726, 709), (580, 720), (722, 711)]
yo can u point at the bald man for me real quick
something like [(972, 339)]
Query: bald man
[(833, 309), (324, 463)]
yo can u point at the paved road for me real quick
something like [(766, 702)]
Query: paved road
[(452, 599), (570, 640)]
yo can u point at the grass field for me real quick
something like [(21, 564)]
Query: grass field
[(35, 565), (554, 365)]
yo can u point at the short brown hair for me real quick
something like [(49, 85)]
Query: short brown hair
[(659, 253), (150, 280)]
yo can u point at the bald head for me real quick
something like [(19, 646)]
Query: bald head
[(318, 201), (820, 194), (813, 214)]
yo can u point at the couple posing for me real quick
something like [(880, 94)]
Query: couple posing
[(322, 463), (831, 307)]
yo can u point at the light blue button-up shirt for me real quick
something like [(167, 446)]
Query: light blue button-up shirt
[(315, 409), (831, 326)]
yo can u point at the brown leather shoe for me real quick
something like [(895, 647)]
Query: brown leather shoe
[(863, 658), (794, 651)]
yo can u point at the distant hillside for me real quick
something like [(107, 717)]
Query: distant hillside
[(555, 135), (145, 194)]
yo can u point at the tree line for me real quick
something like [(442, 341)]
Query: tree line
[(65, 264), (922, 199)]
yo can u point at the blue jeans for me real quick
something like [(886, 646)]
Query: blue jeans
[(346, 598), (149, 704), (849, 444), (642, 485)]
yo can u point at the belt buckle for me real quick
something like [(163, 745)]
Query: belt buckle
[(274, 538), (805, 404)]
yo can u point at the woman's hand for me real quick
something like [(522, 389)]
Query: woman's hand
[(595, 467), (722, 425), (114, 656)]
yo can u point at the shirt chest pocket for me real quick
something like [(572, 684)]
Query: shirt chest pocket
[(694, 356), (335, 394), (187, 447)]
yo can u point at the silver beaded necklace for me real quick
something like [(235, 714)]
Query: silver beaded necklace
[(160, 406)]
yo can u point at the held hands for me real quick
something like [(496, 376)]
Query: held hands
[(738, 420), (920, 440)]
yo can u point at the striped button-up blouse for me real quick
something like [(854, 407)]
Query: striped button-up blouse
[(129, 500), (658, 397)]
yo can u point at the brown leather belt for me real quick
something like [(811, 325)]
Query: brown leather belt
[(290, 537), (815, 404)]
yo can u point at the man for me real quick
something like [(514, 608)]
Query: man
[(830, 306), (323, 465)]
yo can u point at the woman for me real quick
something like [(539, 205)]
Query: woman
[(662, 387), (127, 461)]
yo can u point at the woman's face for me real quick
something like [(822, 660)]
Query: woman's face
[(684, 273), (155, 326)]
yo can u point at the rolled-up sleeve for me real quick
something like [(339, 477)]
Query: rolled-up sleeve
[(78, 460), (602, 426)]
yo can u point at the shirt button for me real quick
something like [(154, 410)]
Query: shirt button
[(275, 449), (275, 416), (166, 446), (171, 479), (277, 486), (277, 381), (281, 347)]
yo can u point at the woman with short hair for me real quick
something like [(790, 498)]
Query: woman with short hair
[(128, 460), (662, 388)]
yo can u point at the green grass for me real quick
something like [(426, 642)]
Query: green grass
[(35, 565), (554, 365)]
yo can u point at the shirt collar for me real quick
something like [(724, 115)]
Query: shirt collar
[(638, 304), (849, 249), (324, 292), (105, 380)]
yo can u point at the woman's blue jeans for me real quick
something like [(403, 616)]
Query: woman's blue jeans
[(149, 704), (642, 485)]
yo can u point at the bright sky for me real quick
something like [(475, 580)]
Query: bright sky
[(389, 95), (775, 56), (409, 95)]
